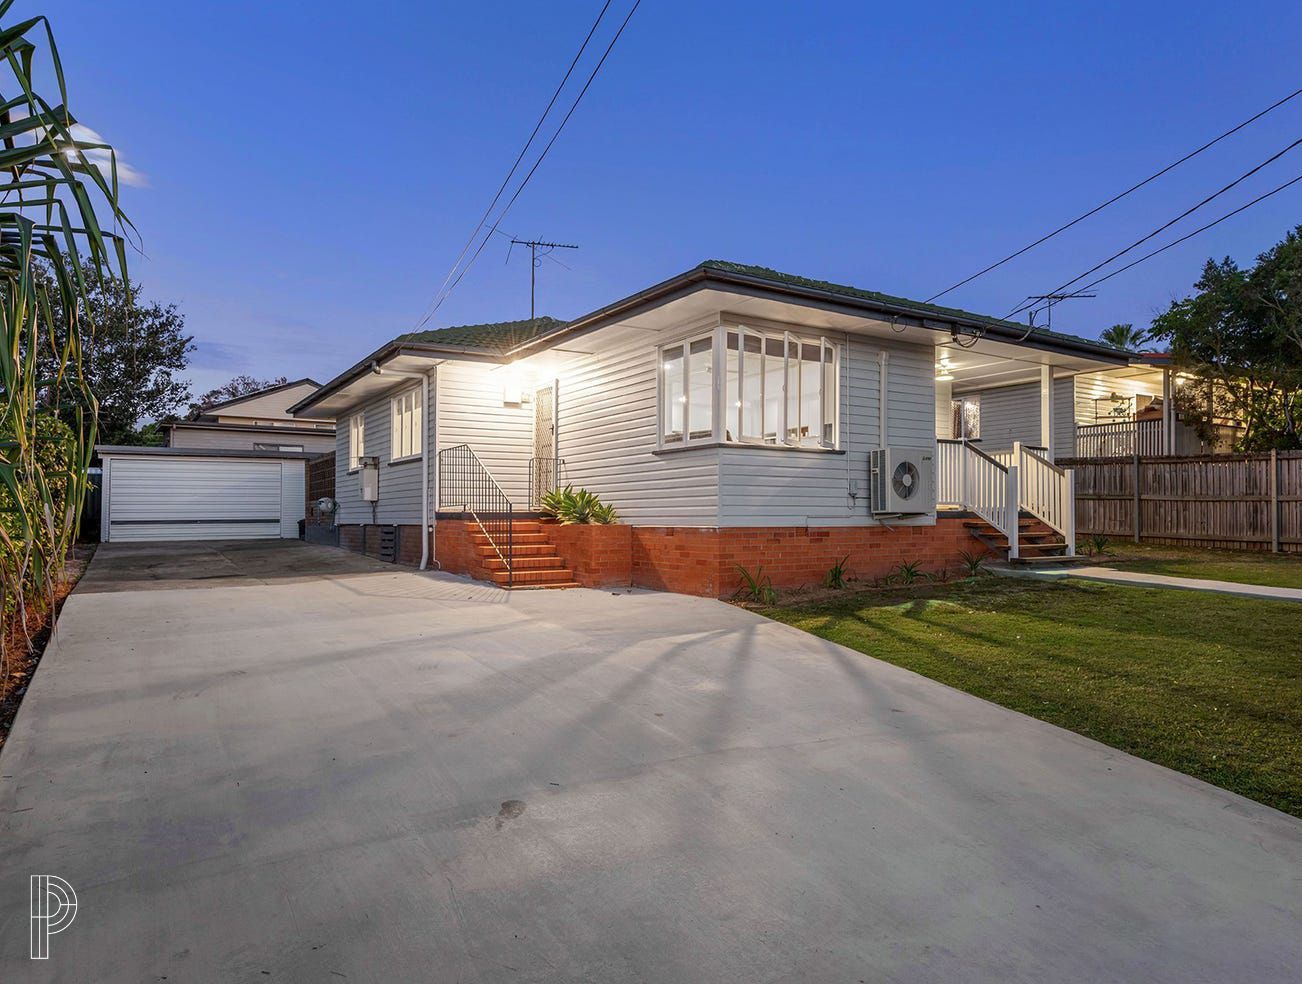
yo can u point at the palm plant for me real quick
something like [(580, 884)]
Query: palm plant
[(51, 244), (1125, 336), (571, 506)]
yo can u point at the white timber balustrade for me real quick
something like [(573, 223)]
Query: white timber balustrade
[(971, 479), (1048, 493), (997, 487)]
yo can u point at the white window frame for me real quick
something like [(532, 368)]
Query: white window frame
[(356, 439), (727, 418), (406, 424)]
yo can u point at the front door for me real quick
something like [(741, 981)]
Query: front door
[(544, 470)]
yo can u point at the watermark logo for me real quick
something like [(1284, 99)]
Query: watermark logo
[(54, 907)]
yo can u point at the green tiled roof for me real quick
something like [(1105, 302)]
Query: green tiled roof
[(498, 337), (765, 273)]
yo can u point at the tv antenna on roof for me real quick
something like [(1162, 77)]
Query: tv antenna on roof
[(535, 258), (1050, 300)]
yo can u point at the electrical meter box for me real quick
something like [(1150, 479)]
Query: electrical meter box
[(368, 468)]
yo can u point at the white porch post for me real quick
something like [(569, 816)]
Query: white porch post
[(1168, 414), (1014, 500), (1046, 410), (1070, 493)]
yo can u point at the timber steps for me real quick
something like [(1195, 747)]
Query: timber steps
[(1037, 542), (533, 556)]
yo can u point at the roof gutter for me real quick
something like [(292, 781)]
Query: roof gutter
[(387, 351)]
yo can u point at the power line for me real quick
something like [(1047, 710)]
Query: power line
[(1187, 236), (1162, 228), (523, 150), (541, 157), (1190, 235), (1117, 198)]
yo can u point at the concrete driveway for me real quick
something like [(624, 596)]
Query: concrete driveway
[(281, 762)]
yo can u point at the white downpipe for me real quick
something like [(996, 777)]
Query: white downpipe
[(424, 457), (883, 362)]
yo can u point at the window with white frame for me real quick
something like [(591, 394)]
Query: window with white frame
[(406, 413), (356, 439), (778, 388)]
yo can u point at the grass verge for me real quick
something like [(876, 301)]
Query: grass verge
[(1207, 684), (1241, 567)]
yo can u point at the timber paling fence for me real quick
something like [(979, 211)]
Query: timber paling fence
[(1233, 501)]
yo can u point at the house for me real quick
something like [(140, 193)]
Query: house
[(737, 417), (256, 422)]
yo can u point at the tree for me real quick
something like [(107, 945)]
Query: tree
[(131, 359), (1125, 336), (51, 182), (237, 387), (1240, 338)]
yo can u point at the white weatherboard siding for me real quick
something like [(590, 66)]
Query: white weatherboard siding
[(471, 411), (606, 432), (1099, 386), (944, 408), (1012, 413), (400, 484), (156, 497), (782, 487)]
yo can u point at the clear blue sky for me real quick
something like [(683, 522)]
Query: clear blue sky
[(313, 168)]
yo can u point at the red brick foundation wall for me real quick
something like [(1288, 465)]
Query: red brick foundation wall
[(701, 561), (599, 556), (454, 550), (705, 561)]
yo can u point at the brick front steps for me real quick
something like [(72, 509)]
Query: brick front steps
[(534, 559)]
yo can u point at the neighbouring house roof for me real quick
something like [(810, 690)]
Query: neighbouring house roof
[(305, 381), (249, 428), (507, 340), (497, 336), (117, 450)]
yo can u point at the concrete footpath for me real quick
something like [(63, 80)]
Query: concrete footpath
[(1141, 580), (279, 762)]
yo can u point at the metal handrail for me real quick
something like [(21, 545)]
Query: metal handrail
[(467, 486)]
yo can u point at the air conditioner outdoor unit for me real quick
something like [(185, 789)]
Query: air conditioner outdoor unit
[(902, 481)]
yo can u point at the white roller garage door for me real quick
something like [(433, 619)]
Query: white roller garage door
[(155, 497)]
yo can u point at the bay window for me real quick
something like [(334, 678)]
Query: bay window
[(774, 388)]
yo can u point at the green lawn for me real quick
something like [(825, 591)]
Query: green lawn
[(1275, 570), (1207, 684)]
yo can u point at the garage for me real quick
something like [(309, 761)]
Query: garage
[(190, 494)]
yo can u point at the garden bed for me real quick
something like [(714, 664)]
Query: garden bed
[(22, 657)]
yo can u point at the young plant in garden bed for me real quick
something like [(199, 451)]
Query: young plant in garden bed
[(757, 587), (974, 563), (837, 577)]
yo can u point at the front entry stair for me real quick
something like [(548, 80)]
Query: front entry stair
[(533, 556), (1038, 544)]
